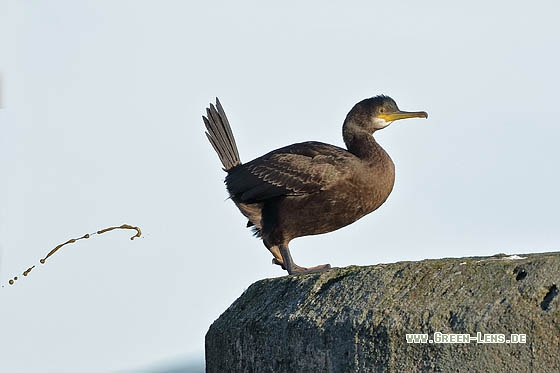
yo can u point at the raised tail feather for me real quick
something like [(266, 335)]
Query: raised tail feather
[(219, 133)]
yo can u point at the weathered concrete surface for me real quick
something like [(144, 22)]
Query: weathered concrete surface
[(356, 318)]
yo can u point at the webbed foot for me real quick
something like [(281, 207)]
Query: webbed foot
[(297, 270), (292, 268)]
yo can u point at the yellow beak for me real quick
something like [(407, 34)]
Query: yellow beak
[(390, 117)]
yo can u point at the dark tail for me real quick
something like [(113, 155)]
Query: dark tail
[(219, 133)]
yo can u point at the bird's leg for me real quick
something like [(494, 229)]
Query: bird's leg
[(276, 253), (293, 268), (277, 256), (278, 262)]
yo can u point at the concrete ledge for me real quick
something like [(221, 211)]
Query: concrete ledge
[(356, 318)]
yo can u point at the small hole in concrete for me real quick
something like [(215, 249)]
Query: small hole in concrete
[(552, 292), (521, 274)]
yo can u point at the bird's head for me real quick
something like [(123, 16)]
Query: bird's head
[(376, 113)]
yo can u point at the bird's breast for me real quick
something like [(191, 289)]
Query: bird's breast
[(369, 188)]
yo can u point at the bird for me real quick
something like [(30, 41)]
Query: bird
[(309, 188)]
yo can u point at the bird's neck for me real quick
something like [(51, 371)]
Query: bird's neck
[(361, 144)]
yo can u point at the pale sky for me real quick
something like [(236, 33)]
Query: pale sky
[(100, 125)]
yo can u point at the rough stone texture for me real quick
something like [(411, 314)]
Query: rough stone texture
[(356, 318)]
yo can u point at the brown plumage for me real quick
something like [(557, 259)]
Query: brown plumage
[(310, 187)]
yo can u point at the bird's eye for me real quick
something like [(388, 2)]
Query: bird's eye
[(381, 110)]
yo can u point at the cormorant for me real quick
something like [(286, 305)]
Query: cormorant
[(310, 187)]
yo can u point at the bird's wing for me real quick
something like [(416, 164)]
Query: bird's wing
[(298, 169)]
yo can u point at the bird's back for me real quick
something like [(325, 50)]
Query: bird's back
[(294, 170)]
